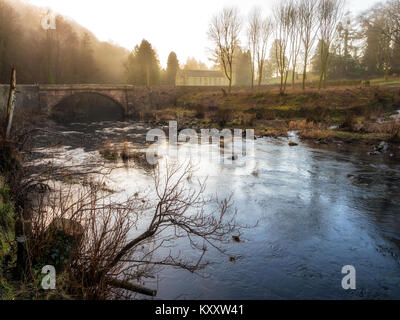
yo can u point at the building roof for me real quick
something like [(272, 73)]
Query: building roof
[(202, 73)]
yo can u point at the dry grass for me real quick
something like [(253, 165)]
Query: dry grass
[(165, 115), (315, 134), (272, 132), (394, 131), (125, 153), (302, 125), (109, 151)]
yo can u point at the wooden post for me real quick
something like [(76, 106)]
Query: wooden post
[(11, 102)]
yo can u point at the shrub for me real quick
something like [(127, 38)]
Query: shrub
[(373, 112), (265, 114), (340, 83), (223, 116), (300, 99), (394, 131), (349, 121), (7, 222), (200, 111), (146, 116), (162, 115), (318, 114), (301, 125)]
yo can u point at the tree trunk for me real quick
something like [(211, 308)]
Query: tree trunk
[(320, 80), (293, 78), (148, 76), (294, 73), (304, 75), (11, 103), (252, 75), (230, 79), (260, 78)]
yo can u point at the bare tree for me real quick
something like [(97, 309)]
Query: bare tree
[(308, 20), (253, 33), (283, 29), (118, 243), (265, 33), (330, 13), (392, 12), (295, 36), (224, 33)]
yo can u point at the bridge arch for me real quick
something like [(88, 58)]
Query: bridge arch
[(52, 95), (86, 106)]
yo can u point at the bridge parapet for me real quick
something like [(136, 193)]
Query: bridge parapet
[(131, 98)]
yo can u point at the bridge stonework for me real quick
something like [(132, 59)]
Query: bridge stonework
[(131, 98)]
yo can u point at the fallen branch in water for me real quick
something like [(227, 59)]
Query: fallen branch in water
[(126, 285)]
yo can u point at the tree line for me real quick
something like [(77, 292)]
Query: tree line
[(299, 37), (307, 35), (71, 54), (66, 54), (143, 66)]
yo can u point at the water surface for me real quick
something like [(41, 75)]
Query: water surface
[(317, 211)]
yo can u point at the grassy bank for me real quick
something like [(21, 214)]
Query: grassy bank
[(350, 114), (7, 241)]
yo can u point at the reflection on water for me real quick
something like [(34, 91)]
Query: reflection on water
[(317, 211)]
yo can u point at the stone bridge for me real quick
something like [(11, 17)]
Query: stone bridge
[(50, 95), (131, 98)]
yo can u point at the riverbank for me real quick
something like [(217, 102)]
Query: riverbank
[(350, 115), (344, 211), (7, 240), (346, 119)]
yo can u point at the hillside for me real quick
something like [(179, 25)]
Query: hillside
[(69, 54)]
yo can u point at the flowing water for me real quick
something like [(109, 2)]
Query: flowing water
[(317, 211)]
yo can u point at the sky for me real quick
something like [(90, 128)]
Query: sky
[(173, 25)]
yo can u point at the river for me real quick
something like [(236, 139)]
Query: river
[(317, 209)]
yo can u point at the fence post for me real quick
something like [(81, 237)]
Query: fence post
[(11, 102)]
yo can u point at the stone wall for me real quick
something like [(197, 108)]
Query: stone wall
[(27, 96)]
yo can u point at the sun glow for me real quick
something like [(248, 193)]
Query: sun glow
[(174, 25)]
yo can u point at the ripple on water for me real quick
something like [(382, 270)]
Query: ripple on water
[(318, 210)]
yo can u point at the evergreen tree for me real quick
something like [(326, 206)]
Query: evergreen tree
[(243, 68), (87, 64), (9, 37), (142, 66), (172, 68)]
